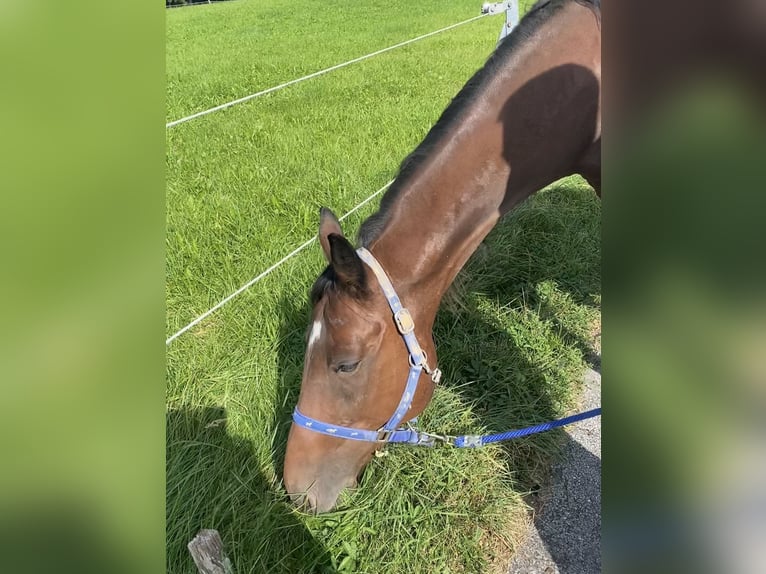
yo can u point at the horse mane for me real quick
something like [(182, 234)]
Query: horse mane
[(527, 28)]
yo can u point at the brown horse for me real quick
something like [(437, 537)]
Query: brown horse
[(530, 116)]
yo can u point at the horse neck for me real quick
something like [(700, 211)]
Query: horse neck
[(438, 221), (509, 142)]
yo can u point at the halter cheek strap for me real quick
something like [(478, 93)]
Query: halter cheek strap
[(406, 326)]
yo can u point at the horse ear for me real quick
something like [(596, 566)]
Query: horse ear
[(347, 264), (328, 224)]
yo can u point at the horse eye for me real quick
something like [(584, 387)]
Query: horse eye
[(347, 367)]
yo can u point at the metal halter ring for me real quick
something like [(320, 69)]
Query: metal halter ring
[(435, 374), (423, 361)]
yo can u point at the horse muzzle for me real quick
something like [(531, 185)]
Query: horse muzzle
[(319, 497), (315, 475)]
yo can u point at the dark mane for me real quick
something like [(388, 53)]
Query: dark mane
[(526, 29)]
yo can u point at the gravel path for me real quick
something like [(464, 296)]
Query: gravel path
[(566, 537)]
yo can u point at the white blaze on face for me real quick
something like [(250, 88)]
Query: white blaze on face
[(316, 332)]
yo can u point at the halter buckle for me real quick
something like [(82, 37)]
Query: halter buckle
[(404, 321), (384, 435)]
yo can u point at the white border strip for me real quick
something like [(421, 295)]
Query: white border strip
[(260, 276), (315, 74)]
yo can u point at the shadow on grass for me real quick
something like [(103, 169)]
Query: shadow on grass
[(213, 481), (292, 347), (514, 337), (555, 237)]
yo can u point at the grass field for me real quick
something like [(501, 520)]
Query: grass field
[(244, 186)]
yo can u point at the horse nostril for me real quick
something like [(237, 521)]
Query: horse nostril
[(310, 505), (305, 502), (351, 482)]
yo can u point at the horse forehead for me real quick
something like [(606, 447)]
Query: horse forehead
[(331, 323), (348, 321), (340, 312)]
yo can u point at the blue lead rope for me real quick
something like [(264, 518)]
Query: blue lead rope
[(473, 441)]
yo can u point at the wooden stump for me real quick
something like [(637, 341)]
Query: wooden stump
[(207, 550)]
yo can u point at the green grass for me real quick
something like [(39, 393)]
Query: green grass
[(243, 188)]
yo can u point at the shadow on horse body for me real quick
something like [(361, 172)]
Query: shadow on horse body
[(529, 117)]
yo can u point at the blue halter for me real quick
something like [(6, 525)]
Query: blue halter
[(390, 432)]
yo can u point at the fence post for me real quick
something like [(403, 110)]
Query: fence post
[(207, 551), (511, 18), (511, 8)]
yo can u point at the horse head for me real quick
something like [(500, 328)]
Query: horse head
[(354, 376)]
